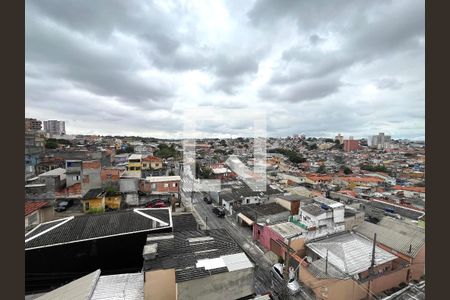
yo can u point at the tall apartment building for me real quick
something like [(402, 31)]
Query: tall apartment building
[(32, 125), (380, 141), (55, 127), (351, 145)]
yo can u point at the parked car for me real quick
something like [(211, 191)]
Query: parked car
[(156, 204), (207, 200), (63, 205), (219, 211), (277, 273)]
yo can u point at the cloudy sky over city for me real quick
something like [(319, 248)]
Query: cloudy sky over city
[(313, 67)]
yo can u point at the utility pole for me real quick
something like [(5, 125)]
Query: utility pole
[(372, 264), (326, 263), (286, 270)]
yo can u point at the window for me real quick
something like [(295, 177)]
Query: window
[(86, 206), (166, 185), (174, 184), (153, 186), (76, 177)]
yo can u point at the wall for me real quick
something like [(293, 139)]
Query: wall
[(91, 178), (293, 206), (79, 259), (228, 285), (160, 285), (145, 186), (352, 221), (335, 289), (418, 265), (388, 281), (95, 205), (113, 202), (160, 188), (33, 218), (128, 185), (264, 234)]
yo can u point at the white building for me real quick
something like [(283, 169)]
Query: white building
[(55, 127), (321, 217)]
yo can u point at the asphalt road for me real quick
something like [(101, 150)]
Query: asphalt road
[(243, 236)]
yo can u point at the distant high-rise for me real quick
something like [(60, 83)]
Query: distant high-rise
[(351, 145), (380, 141), (55, 127), (32, 125)]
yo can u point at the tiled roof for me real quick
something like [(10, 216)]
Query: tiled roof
[(262, 210), (100, 225), (416, 189), (152, 159), (185, 221), (32, 206), (362, 179), (191, 252), (395, 238), (93, 194)]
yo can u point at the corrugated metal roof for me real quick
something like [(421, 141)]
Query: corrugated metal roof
[(81, 288), (94, 226), (393, 238), (350, 253), (286, 229), (120, 287), (238, 261)]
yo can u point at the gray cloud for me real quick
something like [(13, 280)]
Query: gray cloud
[(132, 67)]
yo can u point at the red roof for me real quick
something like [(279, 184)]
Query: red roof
[(152, 159), (416, 189), (32, 206), (348, 193)]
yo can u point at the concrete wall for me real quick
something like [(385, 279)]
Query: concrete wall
[(418, 265), (160, 285), (129, 185), (355, 220), (132, 199), (264, 234), (91, 176), (335, 289), (228, 285)]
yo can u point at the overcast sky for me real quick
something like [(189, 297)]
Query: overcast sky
[(314, 67)]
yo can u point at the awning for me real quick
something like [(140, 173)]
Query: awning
[(246, 219)]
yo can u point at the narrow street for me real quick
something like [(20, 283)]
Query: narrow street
[(243, 236)]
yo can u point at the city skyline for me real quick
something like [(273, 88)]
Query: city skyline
[(353, 67)]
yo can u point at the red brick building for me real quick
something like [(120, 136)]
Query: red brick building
[(351, 145), (160, 185)]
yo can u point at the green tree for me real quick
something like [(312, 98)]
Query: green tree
[(322, 169), (312, 146), (347, 170), (51, 144)]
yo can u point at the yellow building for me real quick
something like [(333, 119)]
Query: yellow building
[(97, 200), (135, 163)]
